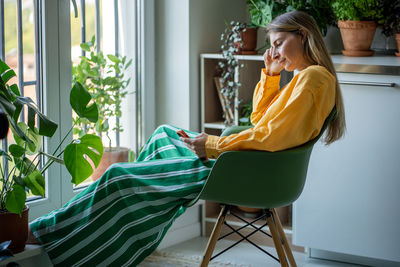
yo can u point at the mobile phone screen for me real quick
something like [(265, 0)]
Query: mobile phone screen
[(182, 133)]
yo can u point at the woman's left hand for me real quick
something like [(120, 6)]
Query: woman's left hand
[(197, 144)]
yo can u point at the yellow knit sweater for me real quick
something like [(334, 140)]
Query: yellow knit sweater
[(283, 118)]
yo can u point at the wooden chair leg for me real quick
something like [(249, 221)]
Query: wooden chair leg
[(286, 246), (277, 242), (214, 237)]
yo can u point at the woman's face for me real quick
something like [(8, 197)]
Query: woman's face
[(287, 49)]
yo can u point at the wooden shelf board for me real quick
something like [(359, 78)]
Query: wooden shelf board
[(215, 125), (240, 57)]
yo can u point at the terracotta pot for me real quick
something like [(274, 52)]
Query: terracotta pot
[(15, 228), (398, 44), (249, 42), (357, 37), (110, 156)]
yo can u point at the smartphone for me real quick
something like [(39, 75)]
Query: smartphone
[(182, 133)]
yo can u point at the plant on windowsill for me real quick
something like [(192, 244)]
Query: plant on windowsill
[(357, 21), (27, 163), (104, 79), (391, 20)]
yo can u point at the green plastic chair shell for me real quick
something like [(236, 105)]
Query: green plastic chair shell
[(259, 179)]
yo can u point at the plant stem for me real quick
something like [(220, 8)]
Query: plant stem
[(65, 137)]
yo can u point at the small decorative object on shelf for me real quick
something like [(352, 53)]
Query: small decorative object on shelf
[(228, 114)]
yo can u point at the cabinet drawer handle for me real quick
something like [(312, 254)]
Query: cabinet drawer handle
[(368, 83)]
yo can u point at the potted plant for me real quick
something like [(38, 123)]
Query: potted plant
[(391, 20), (357, 24), (261, 13), (27, 163), (105, 81), (321, 11)]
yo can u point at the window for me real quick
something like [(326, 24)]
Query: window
[(41, 52)]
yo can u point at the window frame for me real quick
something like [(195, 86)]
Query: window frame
[(56, 85), (56, 76)]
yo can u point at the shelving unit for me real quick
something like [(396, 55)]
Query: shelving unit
[(212, 122)]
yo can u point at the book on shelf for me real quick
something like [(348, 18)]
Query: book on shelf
[(224, 101)]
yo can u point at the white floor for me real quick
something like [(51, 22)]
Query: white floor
[(243, 255)]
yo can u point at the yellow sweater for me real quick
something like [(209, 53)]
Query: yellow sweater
[(283, 118)]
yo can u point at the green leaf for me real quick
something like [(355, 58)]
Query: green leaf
[(113, 58), (26, 164), (79, 100), (93, 39), (6, 76), (128, 64), (35, 143), (16, 150), (7, 106), (18, 133), (35, 182), (15, 199), (85, 47), (77, 155), (4, 154), (14, 89), (3, 67), (46, 126)]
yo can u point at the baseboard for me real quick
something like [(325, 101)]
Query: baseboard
[(180, 235), (347, 258)]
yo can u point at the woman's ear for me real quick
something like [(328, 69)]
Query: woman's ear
[(303, 35)]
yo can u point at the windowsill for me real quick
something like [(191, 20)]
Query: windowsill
[(31, 252)]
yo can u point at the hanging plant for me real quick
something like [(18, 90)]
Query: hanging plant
[(232, 41)]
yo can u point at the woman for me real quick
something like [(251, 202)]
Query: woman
[(122, 218)]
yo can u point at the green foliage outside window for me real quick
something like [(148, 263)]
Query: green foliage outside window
[(104, 78)]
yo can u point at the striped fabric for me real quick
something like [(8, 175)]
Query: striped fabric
[(122, 218)]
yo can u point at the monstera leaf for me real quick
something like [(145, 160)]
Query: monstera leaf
[(46, 126), (78, 154), (79, 100), (32, 134), (35, 182)]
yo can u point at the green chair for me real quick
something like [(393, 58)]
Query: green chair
[(257, 179)]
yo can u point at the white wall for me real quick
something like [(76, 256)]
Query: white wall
[(183, 30)]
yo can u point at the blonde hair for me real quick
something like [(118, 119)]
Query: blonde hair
[(315, 51)]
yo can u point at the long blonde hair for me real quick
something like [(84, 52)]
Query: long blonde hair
[(315, 51)]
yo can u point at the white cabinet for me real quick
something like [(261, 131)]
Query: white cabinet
[(350, 203)]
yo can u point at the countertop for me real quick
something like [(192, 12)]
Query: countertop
[(377, 64)]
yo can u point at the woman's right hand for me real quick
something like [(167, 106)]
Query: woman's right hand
[(271, 62)]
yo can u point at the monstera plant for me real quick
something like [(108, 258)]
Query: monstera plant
[(27, 162)]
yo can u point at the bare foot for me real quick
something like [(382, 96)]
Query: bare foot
[(31, 238)]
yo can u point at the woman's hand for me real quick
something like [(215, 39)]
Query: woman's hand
[(197, 144), (272, 65)]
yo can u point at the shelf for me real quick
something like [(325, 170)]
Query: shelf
[(215, 125), (240, 57)]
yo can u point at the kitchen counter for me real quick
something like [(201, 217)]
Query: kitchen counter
[(379, 64)]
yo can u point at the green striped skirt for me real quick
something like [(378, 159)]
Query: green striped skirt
[(122, 218)]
